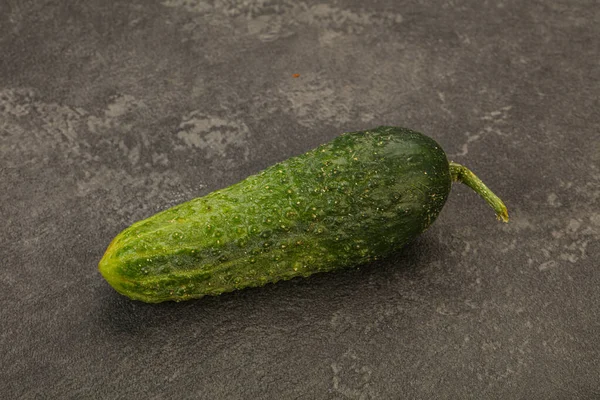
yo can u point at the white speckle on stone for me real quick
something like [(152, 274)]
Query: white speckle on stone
[(573, 225), (572, 258), (553, 200), (120, 106), (213, 134), (547, 265)]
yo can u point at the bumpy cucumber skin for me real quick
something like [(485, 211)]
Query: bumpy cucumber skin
[(357, 198)]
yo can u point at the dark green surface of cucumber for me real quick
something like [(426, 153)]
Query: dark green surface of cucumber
[(355, 199)]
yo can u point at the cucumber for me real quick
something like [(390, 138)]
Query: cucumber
[(355, 199)]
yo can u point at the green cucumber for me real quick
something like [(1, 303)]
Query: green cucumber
[(355, 199)]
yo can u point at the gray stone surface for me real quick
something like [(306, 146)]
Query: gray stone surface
[(113, 110)]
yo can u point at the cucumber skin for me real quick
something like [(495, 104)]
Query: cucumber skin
[(357, 198)]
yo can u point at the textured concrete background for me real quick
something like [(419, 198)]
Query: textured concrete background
[(113, 110)]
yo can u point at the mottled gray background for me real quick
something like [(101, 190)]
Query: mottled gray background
[(113, 110)]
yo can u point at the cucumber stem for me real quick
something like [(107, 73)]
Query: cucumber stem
[(460, 173)]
